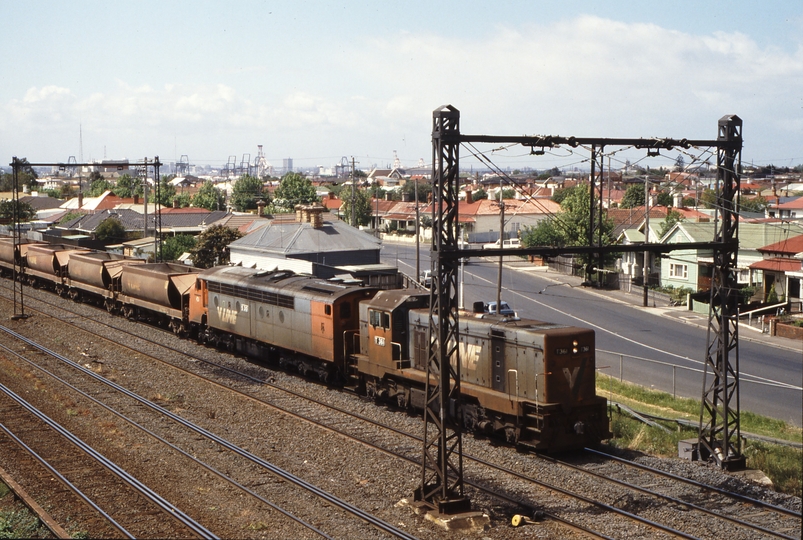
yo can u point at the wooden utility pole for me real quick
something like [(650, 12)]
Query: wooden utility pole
[(501, 246)]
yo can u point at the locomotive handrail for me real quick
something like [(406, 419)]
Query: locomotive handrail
[(392, 344), (356, 333)]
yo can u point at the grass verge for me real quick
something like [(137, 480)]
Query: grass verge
[(783, 465)]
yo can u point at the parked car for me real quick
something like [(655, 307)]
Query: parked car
[(505, 309), (426, 278), (509, 243)]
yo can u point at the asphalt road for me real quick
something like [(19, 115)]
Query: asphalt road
[(658, 347)]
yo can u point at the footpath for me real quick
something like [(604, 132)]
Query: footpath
[(657, 303)]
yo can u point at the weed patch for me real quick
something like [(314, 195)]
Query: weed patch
[(782, 464)]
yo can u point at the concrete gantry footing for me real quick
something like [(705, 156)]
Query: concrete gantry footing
[(465, 521)]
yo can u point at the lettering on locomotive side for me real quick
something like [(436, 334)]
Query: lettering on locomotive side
[(379, 341), (469, 356)]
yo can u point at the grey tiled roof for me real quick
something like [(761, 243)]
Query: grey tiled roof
[(294, 238)]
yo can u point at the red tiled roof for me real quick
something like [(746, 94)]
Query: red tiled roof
[(794, 204), (777, 265), (791, 246)]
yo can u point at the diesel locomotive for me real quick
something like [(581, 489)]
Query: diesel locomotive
[(529, 382)]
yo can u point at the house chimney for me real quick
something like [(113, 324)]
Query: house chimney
[(136, 198), (316, 217), (261, 207), (299, 213), (331, 195), (175, 203), (469, 197)]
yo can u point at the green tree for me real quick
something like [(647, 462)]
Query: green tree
[(709, 198), (25, 211), (212, 247), (479, 195), (127, 186), (183, 199), (295, 189), (26, 176), (167, 192), (99, 186), (362, 207), (507, 193), (573, 222), (209, 197), (174, 246), (665, 199), (544, 233), (756, 205), (633, 197), (66, 191), (424, 189), (246, 192), (672, 217), (110, 230), (560, 194)]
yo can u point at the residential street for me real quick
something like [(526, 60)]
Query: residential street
[(643, 344)]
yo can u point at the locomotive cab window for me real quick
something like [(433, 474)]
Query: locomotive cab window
[(327, 309), (378, 318)]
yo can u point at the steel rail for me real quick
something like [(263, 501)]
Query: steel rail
[(170, 445), (343, 505), (144, 490), (669, 498), (695, 483), (66, 483)]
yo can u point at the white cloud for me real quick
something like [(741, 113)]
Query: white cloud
[(588, 76)]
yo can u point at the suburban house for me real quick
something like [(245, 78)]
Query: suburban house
[(305, 243), (782, 267), (629, 225), (787, 209), (693, 268)]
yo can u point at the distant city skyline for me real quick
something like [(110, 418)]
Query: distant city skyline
[(319, 81)]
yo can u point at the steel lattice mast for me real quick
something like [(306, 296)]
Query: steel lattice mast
[(442, 465), (719, 435)]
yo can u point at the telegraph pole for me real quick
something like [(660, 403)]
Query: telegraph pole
[(417, 235), (501, 257), (645, 266), (353, 196)]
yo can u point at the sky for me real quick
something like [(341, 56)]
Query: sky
[(319, 81)]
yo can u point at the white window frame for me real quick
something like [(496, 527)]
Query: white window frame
[(677, 270)]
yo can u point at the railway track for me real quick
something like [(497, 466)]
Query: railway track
[(284, 476), (132, 508), (409, 450)]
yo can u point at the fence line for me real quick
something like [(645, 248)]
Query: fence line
[(675, 367)]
